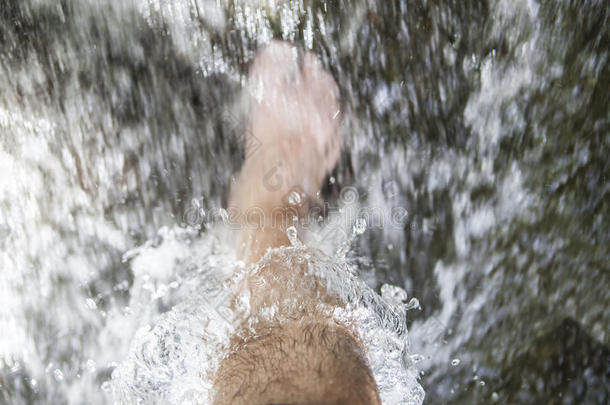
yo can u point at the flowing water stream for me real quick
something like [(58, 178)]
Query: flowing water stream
[(474, 179)]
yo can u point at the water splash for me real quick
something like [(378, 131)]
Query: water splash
[(174, 360), (485, 120)]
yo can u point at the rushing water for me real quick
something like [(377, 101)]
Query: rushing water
[(477, 138)]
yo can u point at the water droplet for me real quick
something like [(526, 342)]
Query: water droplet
[(160, 292), (449, 54), (332, 180), (91, 365), (291, 232), (294, 198), (33, 382), (243, 303), (16, 367), (413, 304), (224, 215), (91, 303), (482, 383), (455, 362), (105, 386), (359, 226), (122, 286), (59, 376)]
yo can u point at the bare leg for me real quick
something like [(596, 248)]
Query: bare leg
[(307, 358)]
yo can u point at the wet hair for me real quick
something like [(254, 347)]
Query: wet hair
[(300, 362)]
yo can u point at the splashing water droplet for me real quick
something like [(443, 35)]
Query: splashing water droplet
[(59, 376), (294, 198), (16, 367), (360, 226), (455, 362), (160, 292), (224, 215), (91, 303), (413, 304), (243, 302), (358, 229), (291, 232)]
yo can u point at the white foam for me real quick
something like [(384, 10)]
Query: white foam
[(173, 361)]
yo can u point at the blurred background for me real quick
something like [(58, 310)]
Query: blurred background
[(487, 120)]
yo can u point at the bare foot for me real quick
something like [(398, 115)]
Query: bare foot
[(299, 355), (294, 124)]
